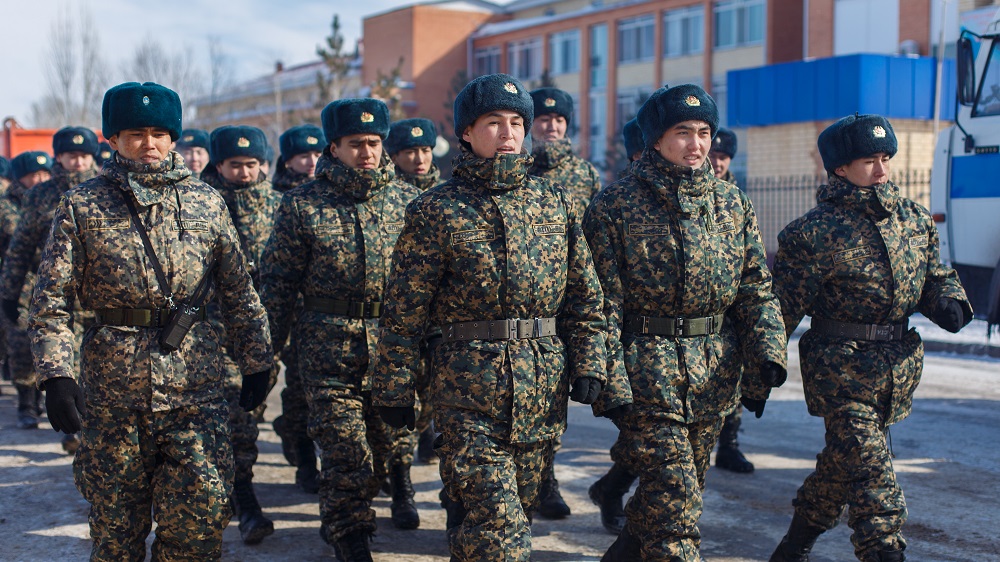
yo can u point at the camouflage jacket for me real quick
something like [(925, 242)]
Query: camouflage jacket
[(673, 241), (333, 238), (38, 205), (729, 177), (94, 250), (286, 179), (423, 182), (556, 162), (10, 213), (494, 243), (869, 256)]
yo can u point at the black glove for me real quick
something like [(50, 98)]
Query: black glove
[(772, 375), (10, 310), (254, 390), (398, 416), (755, 406), (618, 412), (585, 390), (64, 403), (947, 313)]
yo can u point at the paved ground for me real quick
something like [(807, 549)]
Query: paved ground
[(948, 454)]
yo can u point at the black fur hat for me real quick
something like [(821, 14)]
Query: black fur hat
[(725, 142), (231, 141), (667, 107), (408, 133), (134, 106), (4, 168), (552, 100), (355, 116), (301, 139), (28, 163), (74, 139), (195, 137), (104, 153), (633, 138), (492, 92), (855, 136)]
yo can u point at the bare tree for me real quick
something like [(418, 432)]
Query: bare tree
[(152, 63), (220, 68)]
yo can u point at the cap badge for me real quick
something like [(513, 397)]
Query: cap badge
[(549, 102), (105, 155), (510, 87), (692, 101), (78, 139), (312, 140), (416, 132), (879, 132), (41, 159), (243, 142), (145, 100), (367, 117), (188, 138)]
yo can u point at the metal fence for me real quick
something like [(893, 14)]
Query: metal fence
[(780, 200)]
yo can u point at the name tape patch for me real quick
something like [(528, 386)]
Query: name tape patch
[(394, 227), (466, 236), (918, 241), (110, 223), (549, 229), (852, 254), (641, 229)]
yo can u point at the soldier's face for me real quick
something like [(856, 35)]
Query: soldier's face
[(75, 161), (496, 132), (265, 167), (548, 128), (362, 151), (147, 145), (239, 169), (195, 157), (867, 171), (415, 161), (304, 163), (35, 178), (686, 143), (720, 162)]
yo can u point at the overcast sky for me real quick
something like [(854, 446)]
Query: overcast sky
[(255, 34)]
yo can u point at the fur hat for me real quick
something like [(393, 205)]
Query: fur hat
[(667, 107), (855, 136), (552, 100), (104, 153), (191, 138), (492, 92), (725, 142), (408, 133), (268, 154), (633, 138), (231, 141), (28, 163), (301, 139), (4, 168), (74, 139), (355, 116), (134, 106)]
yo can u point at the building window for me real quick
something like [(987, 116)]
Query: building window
[(684, 32), (739, 23), (524, 59), (487, 61), (599, 55), (564, 52), (598, 129), (627, 105), (635, 39)]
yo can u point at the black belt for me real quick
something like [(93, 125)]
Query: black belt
[(506, 329), (677, 327), (852, 331), (138, 317), (340, 307)]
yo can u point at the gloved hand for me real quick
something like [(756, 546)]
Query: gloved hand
[(755, 406), (772, 374), (618, 412), (10, 310), (398, 416), (947, 313), (64, 403), (585, 390), (254, 390)]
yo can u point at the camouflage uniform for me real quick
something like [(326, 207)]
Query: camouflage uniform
[(555, 161), (286, 179), (155, 437), (333, 239), (673, 241), (494, 243), (15, 342), (862, 255)]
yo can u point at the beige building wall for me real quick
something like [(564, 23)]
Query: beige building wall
[(730, 59), (568, 82), (638, 74), (682, 69)]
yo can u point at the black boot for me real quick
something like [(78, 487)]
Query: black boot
[(798, 542), (353, 548), (287, 441), (27, 407), (607, 494), (890, 556), (626, 548), (403, 508), (454, 510), (306, 475), (253, 525), (425, 446), (729, 456), (550, 502)]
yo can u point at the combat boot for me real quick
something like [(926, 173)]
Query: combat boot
[(551, 504), (454, 510), (729, 457), (891, 556), (425, 446), (798, 542), (27, 407), (403, 508), (626, 548), (353, 548), (253, 525), (288, 448), (607, 494), (306, 475)]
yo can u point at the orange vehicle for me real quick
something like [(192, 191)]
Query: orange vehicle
[(16, 139)]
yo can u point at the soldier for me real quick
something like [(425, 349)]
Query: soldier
[(860, 263), (632, 135), (301, 148), (4, 173), (496, 259), (103, 154), (678, 251), (332, 243), (553, 154), (252, 205), (194, 146), (135, 242), (265, 164), (74, 149), (722, 154), (28, 169)]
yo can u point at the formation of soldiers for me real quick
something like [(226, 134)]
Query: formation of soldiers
[(160, 287)]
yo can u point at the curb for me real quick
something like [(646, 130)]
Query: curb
[(974, 349)]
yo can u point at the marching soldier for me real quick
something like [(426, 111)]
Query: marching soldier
[(194, 146), (722, 154)]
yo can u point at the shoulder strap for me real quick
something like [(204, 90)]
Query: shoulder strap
[(148, 247)]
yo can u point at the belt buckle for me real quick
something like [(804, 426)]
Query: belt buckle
[(536, 328), (513, 328), (356, 309), (644, 328), (679, 327), (879, 332)]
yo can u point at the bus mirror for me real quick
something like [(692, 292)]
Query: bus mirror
[(966, 66)]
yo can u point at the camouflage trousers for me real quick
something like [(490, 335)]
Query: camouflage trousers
[(294, 409), (175, 467), (855, 470), (497, 482), (242, 424), (355, 448), (671, 459), (21, 368)]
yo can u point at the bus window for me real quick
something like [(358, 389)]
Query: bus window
[(989, 90)]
